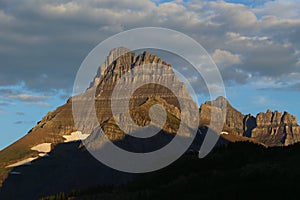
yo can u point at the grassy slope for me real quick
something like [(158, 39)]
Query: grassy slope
[(42, 132)]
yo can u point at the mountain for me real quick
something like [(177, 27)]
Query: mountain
[(56, 136), (268, 129), (58, 125)]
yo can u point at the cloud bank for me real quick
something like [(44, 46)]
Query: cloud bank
[(43, 42)]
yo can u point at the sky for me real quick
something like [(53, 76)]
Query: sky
[(255, 44)]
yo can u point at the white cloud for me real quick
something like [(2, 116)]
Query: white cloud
[(26, 97), (225, 58), (61, 9), (41, 103), (236, 16), (286, 9)]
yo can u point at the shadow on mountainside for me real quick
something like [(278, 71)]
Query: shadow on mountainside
[(237, 171), (68, 167)]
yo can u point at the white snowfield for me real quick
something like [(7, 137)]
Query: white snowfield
[(224, 133), (22, 162), (75, 136), (43, 154), (43, 149)]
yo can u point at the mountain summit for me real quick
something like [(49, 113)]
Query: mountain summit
[(58, 128), (58, 125)]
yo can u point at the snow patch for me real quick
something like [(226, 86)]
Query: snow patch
[(42, 148), (224, 133), (75, 136), (43, 155), (45, 148), (23, 162)]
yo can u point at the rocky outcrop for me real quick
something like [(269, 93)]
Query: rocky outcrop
[(270, 128), (140, 115), (143, 68), (275, 128), (235, 122)]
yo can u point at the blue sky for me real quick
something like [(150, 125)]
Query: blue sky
[(255, 44)]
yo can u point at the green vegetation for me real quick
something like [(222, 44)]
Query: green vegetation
[(6, 159)]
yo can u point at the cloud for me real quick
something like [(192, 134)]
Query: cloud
[(23, 122), (225, 58), (4, 103), (41, 103), (42, 43), (286, 9), (26, 97), (263, 56), (294, 87)]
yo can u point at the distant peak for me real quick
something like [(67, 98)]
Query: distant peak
[(276, 117), (118, 51), (221, 98)]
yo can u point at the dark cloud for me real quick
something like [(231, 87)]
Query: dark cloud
[(42, 43)]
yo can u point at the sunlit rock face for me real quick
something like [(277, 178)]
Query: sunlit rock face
[(270, 128), (147, 70), (276, 128)]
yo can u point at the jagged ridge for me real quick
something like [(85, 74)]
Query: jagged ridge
[(269, 129)]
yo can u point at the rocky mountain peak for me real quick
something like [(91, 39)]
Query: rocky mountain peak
[(275, 118), (115, 53), (270, 128), (120, 60), (289, 119), (275, 128)]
